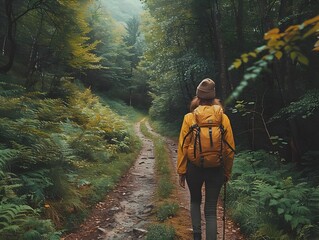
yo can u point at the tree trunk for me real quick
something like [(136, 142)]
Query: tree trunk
[(239, 12), (34, 57), (286, 78), (220, 49), (10, 39)]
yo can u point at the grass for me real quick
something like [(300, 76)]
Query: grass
[(160, 232), (122, 109), (167, 210), (170, 130), (165, 187)]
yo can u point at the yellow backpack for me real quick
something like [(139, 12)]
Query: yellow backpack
[(206, 143)]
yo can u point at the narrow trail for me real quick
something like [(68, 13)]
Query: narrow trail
[(127, 210)]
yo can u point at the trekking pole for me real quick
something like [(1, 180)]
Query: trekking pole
[(224, 210)]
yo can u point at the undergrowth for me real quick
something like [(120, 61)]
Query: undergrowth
[(160, 232), (271, 200), (60, 152)]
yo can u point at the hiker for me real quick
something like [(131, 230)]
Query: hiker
[(205, 155)]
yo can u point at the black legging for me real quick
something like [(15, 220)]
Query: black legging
[(214, 179)]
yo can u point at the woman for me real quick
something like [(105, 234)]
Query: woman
[(196, 174)]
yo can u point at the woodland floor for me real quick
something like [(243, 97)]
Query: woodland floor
[(129, 208)]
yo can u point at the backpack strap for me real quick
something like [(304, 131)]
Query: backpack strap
[(197, 139), (191, 129), (222, 129), (210, 136)]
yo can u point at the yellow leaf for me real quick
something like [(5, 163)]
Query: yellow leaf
[(271, 43), (315, 49), (278, 55), (317, 44), (289, 36), (253, 54), (293, 55), (312, 20), (273, 33), (292, 28), (237, 63), (46, 205), (303, 59), (280, 44), (244, 57), (311, 31)]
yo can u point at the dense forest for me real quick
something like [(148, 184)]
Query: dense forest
[(74, 73)]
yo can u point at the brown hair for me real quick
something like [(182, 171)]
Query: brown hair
[(199, 101)]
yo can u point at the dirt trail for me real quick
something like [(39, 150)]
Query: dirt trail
[(126, 211)]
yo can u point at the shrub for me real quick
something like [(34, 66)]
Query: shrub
[(160, 232), (270, 200), (167, 210)]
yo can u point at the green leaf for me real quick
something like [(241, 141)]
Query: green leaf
[(303, 59), (280, 211), (287, 217), (293, 55), (273, 202)]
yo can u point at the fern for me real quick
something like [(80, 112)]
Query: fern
[(35, 183), (272, 196), (8, 89), (20, 222), (305, 107), (11, 215)]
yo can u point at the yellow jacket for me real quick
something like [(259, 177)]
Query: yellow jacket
[(228, 154)]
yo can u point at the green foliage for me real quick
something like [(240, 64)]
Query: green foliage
[(20, 222), (278, 44), (178, 55), (129, 113), (164, 188), (271, 200), (160, 232), (45, 144), (170, 130), (34, 184), (307, 105), (166, 210)]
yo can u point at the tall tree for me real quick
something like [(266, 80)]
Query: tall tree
[(54, 32), (218, 37)]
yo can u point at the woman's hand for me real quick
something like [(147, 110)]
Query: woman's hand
[(182, 179)]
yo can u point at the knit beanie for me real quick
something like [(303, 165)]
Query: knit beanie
[(206, 89)]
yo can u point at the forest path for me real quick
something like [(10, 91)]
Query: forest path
[(127, 210)]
